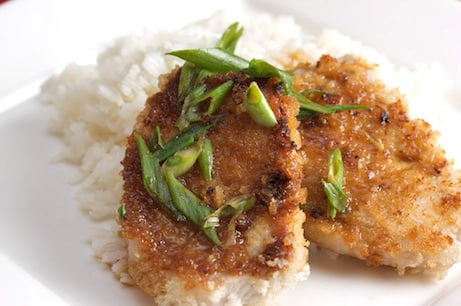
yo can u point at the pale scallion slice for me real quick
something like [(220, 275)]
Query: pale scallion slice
[(234, 206), (191, 207), (205, 160), (333, 187), (183, 160), (335, 168), (258, 108), (154, 180)]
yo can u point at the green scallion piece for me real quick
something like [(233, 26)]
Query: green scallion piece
[(184, 139), (230, 38), (190, 110), (191, 207), (258, 108), (333, 187), (217, 96), (315, 91), (121, 211), (205, 160), (183, 121), (159, 137), (262, 69), (335, 168), (154, 180), (222, 61), (183, 160), (187, 79), (213, 59), (155, 141)]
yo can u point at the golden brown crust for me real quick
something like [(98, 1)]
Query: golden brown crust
[(248, 160), (392, 167)]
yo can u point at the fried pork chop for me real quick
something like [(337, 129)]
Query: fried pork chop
[(403, 194), (174, 261)]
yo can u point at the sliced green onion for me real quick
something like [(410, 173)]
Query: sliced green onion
[(262, 69), (333, 187), (182, 122), (121, 211), (205, 160), (190, 110), (159, 137), (190, 206), (309, 105), (232, 207), (311, 108), (230, 38), (155, 141), (335, 168), (315, 91), (337, 200), (154, 180), (217, 95), (183, 160), (258, 108), (187, 80), (184, 139), (222, 61), (213, 59)]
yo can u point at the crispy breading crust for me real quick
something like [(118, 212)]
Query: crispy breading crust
[(404, 196), (174, 262)]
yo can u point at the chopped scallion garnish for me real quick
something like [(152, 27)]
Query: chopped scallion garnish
[(223, 60), (183, 120), (258, 108), (183, 160), (333, 187), (190, 206), (121, 211), (213, 59), (190, 111), (230, 38), (153, 178), (217, 95), (184, 139), (205, 160), (232, 207)]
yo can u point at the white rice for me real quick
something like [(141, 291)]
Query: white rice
[(96, 105)]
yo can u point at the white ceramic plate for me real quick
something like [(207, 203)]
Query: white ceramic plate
[(45, 257)]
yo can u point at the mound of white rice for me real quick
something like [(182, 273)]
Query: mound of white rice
[(96, 105)]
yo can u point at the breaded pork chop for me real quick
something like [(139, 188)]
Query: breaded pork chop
[(173, 260), (403, 195)]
